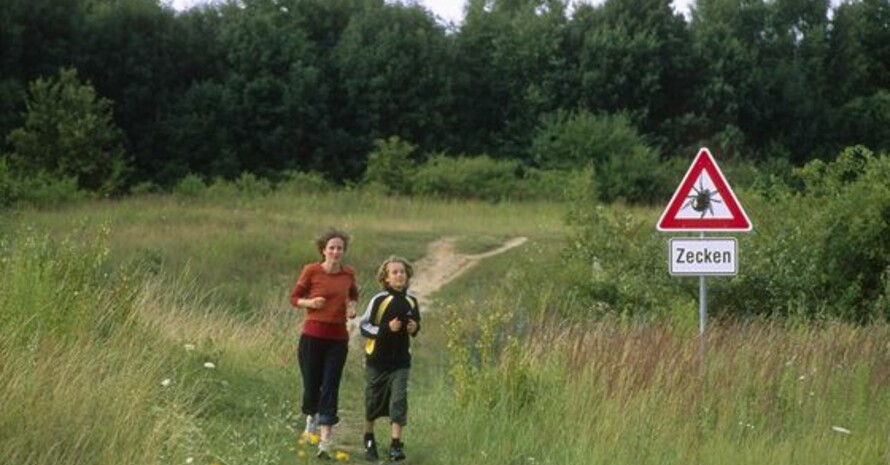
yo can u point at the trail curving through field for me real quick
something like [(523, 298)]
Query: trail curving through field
[(442, 264)]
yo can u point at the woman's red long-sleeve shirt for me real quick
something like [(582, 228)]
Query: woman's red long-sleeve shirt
[(328, 322)]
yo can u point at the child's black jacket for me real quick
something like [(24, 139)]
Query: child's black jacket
[(384, 349)]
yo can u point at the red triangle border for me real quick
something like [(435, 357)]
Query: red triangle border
[(704, 161)]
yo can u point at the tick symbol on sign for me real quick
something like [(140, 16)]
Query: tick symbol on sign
[(702, 199)]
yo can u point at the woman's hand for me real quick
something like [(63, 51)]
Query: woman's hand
[(350, 309)]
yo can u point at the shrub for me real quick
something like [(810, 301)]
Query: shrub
[(390, 166), (42, 190), (37, 189), (853, 229), (619, 261), (635, 176), (626, 168), (144, 188), (191, 186), (566, 140), (221, 189), (252, 187), (538, 184), (488, 370), (468, 177), (824, 251)]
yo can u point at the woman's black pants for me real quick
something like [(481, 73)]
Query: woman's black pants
[(321, 364)]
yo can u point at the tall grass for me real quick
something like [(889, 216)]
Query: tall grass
[(80, 380), (534, 378), (527, 386), (105, 365)]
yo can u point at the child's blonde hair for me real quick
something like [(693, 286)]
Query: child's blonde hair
[(382, 271)]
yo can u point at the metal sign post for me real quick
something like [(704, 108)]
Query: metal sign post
[(702, 303)]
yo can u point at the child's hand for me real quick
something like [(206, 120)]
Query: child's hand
[(412, 326), (350, 309), (395, 325), (315, 303)]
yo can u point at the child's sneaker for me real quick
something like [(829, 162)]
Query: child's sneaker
[(324, 450), (396, 453), (371, 450)]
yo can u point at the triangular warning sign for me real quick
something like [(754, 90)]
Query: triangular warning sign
[(704, 201)]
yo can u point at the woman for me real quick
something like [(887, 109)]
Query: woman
[(328, 292)]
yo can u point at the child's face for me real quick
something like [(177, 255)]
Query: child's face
[(396, 276)]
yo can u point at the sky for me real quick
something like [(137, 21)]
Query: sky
[(452, 10), (449, 10)]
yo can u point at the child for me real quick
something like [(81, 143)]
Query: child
[(391, 317)]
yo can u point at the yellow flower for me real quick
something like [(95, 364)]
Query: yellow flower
[(341, 456), (301, 454), (311, 438)]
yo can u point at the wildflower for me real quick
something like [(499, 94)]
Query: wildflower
[(166, 382), (209, 365), (189, 347), (301, 454), (840, 429), (189, 460), (314, 439), (341, 456)]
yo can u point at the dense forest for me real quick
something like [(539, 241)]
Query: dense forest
[(114, 93)]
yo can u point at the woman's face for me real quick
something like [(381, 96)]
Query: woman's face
[(333, 250)]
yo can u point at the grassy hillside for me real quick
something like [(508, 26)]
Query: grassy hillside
[(153, 330)]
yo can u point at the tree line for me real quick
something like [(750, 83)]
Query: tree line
[(121, 92)]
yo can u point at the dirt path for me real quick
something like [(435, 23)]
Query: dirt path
[(442, 264)]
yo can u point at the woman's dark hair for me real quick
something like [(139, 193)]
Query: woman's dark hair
[(322, 240)]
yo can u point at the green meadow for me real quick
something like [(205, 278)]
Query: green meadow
[(157, 330)]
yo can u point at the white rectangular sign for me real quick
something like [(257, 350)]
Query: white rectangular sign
[(703, 256)]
